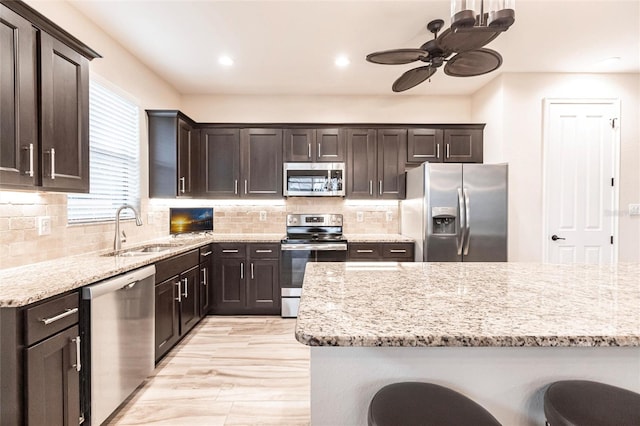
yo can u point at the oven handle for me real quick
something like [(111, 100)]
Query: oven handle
[(313, 247)]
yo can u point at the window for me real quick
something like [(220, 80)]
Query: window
[(113, 157)]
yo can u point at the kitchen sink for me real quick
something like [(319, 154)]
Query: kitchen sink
[(143, 250)]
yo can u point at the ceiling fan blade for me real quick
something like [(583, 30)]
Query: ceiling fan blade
[(463, 41), (473, 62), (397, 56), (412, 78)]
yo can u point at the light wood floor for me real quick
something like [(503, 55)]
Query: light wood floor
[(227, 371)]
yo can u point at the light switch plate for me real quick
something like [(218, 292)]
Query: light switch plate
[(263, 215), (634, 209), (359, 217), (44, 225), (389, 216)]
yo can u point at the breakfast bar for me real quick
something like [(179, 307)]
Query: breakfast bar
[(499, 333)]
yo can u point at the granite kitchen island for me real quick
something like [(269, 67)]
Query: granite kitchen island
[(497, 332)]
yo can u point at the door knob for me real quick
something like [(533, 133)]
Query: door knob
[(554, 237)]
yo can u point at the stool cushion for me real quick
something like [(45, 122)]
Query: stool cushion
[(425, 404), (586, 403)]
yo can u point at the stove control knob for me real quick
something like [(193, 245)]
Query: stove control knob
[(293, 220)]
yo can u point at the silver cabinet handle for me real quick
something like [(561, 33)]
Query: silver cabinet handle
[(437, 150), (183, 185), (235, 186), (179, 284), (204, 276), (230, 251), (309, 150), (205, 254), (245, 186), (467, 211), (241, 270), (55, 318), (78, 364), (185, 281), (448, 151), (397, 251), (252, 270), (264, 251), (380, 187), (364, 251), (52, 154), (319, 150), (370, 187), (460, 236), (30, 171)]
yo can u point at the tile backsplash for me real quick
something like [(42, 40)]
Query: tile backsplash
[(20, 243)]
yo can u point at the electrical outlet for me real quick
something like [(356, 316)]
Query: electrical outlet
[(149, 218), (389, 216), (263, 215), (634, 209), (359, 217), (44, 225)]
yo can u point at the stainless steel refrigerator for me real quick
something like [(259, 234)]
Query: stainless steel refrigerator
[(457, 212)]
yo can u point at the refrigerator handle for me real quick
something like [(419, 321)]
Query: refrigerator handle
[(463, 222), (467, 209)]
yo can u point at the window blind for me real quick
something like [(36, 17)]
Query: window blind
[(113, 157)]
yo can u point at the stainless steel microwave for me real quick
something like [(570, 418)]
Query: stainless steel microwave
[(313, 180)]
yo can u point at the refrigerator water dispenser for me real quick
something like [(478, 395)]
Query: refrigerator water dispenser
[(444, 220)]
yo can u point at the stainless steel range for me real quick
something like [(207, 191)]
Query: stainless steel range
[(310, 238)]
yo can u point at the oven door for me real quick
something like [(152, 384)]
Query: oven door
[(293, 262)]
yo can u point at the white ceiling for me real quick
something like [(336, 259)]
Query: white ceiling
[(288, 47)]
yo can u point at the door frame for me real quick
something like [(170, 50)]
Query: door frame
[(615, 207)]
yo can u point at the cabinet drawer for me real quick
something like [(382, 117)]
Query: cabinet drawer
[(173, 266), (397, 251), (48, 318), (364, 251), (206, 253), (228, 250), (264, 251)]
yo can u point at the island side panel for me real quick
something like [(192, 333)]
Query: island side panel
[(507, 381)]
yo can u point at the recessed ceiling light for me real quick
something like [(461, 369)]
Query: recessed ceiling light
[(225, 60), (342, 61)]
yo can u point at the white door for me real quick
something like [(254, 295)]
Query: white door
[(580, 170)]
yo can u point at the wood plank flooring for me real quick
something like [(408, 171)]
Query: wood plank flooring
[(227, 371)]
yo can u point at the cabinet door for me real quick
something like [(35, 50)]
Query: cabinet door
[(53, 381), (398, 252), (392, 152), (361, 170), (463, 145), (299, 145), (220, 152), (261, 167), (18, 125), (187, 159), (206, 276), (167, 318), (330, 145), (264, 286), (424, 145), (230, 286), (64, 117), (189, 304)]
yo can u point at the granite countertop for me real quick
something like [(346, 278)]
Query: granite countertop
[(27, 284), (469, 304)]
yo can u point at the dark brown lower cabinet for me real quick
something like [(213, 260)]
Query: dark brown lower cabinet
[(53, 381), (246, 279), (189, 299), (379, 251), (206, 271), (167, 317)]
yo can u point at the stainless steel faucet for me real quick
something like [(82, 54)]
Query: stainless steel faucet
[(118, 240)]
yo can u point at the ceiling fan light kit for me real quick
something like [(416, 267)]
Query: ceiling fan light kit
[(471, 29)]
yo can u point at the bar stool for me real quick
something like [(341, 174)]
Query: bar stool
[(425, 404), (586, 403)]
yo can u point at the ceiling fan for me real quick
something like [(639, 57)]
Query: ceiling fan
[(470, 59)]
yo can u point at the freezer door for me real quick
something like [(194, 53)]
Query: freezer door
[(443, 187), (485, 193)]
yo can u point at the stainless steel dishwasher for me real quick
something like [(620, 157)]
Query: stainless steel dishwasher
[(121, 338)]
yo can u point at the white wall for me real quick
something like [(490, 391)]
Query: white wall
[(328, 109), (518, 99)]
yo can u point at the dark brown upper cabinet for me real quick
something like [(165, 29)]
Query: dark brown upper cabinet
[(314, 145), (424, 145), (44, 114), (174, 158), (463, 146), (376, 163), (243, 163)]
